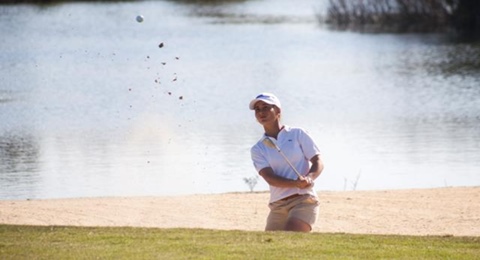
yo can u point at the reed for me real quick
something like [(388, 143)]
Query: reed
[(405, 15)]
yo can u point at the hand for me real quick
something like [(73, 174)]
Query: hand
[(304, 182)]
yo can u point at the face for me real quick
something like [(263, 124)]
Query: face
[(266, 113)]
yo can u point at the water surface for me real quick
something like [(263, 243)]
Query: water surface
[(90, 105)]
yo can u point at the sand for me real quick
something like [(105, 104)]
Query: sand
[(442, 211)]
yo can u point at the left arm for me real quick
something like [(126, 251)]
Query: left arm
[(316, 168)]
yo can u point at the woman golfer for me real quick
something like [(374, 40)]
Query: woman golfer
[(289, 161)]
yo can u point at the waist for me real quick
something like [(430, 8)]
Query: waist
[(291, 197)]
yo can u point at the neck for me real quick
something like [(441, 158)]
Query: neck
[(273, 129)]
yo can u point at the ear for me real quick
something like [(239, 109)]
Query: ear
[(279, 110)]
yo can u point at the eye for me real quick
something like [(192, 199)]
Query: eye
[(265, 108)]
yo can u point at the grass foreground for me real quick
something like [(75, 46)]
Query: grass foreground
[(54, 242)]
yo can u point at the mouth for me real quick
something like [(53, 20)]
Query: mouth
[(262, 118)]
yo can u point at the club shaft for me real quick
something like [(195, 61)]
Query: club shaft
[(284, 157), (289, 163)]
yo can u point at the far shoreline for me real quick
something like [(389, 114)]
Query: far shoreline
[(222, 193)]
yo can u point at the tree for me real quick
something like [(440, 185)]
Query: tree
[(465, 17)]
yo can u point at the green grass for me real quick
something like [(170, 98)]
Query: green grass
[(32, 242)]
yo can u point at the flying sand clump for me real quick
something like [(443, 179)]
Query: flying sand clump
[(161, 45), (140, 19)]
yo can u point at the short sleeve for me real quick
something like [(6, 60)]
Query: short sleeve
[(307, 144), (258, 158)]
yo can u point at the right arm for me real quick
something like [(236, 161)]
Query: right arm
[(274, 180)]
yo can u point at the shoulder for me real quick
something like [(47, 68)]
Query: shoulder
[(258, 145), (298, 133), (295, 130)]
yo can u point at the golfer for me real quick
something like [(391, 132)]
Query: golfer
[(293, 203)]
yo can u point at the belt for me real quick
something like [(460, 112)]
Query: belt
[(291, 197)]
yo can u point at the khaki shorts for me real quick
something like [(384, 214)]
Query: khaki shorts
[(304, 207)]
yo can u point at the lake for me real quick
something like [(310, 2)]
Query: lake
[(94, 103)]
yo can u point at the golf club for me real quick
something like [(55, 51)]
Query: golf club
[(268, 142)]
